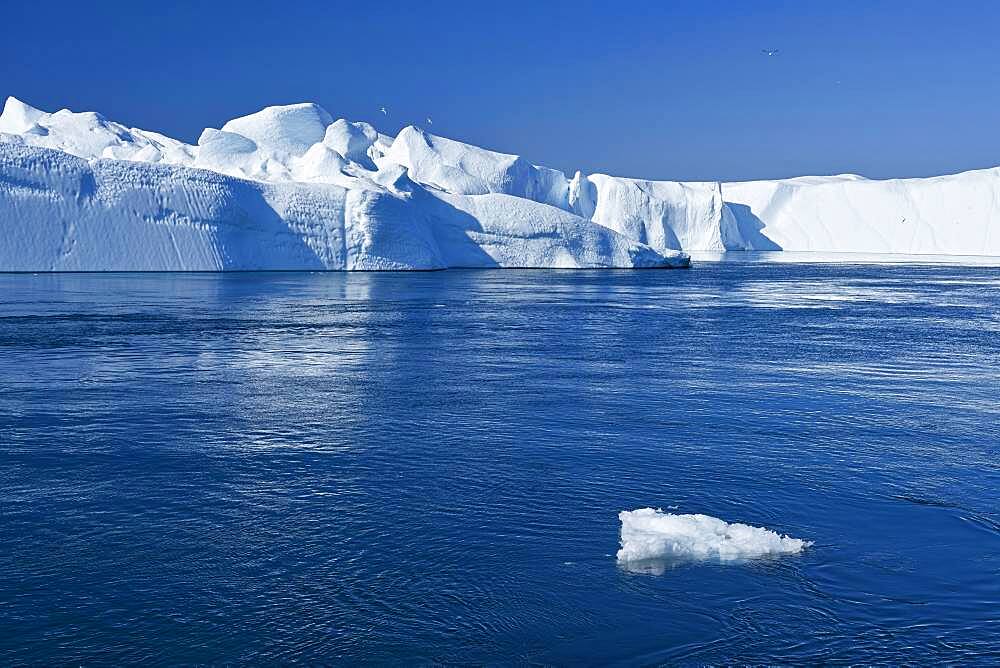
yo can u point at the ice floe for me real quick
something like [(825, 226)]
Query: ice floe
[(650, 535)]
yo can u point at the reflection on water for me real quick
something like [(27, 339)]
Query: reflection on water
[(662, 566), (259, 468)]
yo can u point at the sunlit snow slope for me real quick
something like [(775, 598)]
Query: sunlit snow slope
[(291, 188)]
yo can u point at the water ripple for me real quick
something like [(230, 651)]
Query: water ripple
[(381, 468)]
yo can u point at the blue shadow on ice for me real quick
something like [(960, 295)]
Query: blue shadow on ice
[(751, 228)]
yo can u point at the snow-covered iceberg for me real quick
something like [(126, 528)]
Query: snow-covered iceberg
[(289, 187), (650, 537), (285, 188)]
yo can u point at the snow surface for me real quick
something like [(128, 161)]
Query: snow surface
[(290, 187), (649, 535)]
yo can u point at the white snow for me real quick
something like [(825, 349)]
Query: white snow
[(420, 201), (353, 141), (652, 535), (87, 135), (952, 215), (18, 117), (463, 169)]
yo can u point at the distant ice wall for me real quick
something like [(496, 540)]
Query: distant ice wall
[(957, 214)]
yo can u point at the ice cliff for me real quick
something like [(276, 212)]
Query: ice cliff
[(291, 188)]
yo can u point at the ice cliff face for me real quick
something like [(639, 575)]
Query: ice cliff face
[(291, 188), (285, 188), (952, 215)]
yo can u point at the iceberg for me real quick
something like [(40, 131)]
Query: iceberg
[(285, 188), (291, 187), (652, 537), (958, 214)]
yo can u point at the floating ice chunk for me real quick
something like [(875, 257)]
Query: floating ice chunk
[(649, 535)]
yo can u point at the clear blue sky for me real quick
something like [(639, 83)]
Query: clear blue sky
[(664, 90)]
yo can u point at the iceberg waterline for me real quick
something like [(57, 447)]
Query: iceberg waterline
[(649, 535), (289, 187)]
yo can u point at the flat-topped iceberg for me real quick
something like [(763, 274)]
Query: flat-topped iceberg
[(290, 187), (652, 537)]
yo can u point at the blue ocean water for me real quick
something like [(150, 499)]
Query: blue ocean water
[(423, 468)]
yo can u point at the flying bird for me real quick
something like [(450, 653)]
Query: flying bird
[(382, 109), (429, 121), (769, 52)]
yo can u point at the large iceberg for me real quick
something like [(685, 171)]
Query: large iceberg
[(285, 188), (290, 187)]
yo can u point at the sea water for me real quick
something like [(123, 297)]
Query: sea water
[(429, 467)]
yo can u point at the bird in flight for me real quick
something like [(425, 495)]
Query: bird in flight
[(384, 112), (429, 121), (769, 52)]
